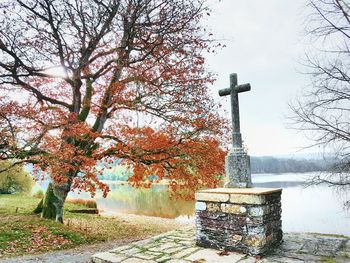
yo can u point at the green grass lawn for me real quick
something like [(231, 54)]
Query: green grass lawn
[(22, 232)]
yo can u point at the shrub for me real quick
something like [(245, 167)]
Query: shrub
[(39, 194), (83, 202), (14, 180)]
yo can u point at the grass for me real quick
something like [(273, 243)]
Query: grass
[(22, 232), (328, 260), (83, 202)]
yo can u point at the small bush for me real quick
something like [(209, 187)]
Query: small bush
[(83, 202), (39, 194)]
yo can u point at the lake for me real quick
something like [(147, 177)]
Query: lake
[(313, 209)]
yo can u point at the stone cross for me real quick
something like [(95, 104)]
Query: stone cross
[(237, 162), (233, 90)]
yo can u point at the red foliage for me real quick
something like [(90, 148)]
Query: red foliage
[(134, 86)]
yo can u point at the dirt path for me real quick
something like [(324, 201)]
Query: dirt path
[(83, 254)]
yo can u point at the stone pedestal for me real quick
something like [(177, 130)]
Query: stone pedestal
[(247, 220), (237, 166)]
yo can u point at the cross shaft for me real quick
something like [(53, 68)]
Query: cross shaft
[(233, 90)]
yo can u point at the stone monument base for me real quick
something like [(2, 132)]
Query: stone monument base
[(247, 220)]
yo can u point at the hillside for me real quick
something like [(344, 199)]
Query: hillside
[(269, 164)]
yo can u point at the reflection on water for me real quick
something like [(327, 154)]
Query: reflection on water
[(151, 202), (312, 209)]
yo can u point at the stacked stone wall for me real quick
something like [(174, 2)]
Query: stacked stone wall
[(248, 223)]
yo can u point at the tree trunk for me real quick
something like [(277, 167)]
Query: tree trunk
[(54, 200), (39, 207)]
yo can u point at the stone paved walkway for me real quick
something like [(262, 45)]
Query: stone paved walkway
[(179, 246)]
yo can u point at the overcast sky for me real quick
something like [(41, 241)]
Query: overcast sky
[(265, 44)]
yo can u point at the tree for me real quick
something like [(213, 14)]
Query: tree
[(324, 110), (84, 81), (15, 179)]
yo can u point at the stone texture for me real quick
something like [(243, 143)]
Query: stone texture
[(185, 252), (237, 169), (213, 207), (137, 260), (296, 247), (237, 163), (247, 199), (245, 191), (250, 221), (211, 255), (108, 257), (212, 197), (233, 209), (201, 206)]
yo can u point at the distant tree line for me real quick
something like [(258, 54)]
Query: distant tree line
[(282, 165), (14, 179)]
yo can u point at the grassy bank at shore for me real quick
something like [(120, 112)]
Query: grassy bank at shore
[(22, 232)]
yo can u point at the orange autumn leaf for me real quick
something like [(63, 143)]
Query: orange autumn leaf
[(119, 81)]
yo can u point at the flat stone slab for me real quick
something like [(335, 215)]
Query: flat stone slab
[(255, 196), (242, 191), (179, 247)]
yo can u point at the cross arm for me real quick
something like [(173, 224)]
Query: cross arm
[(224, 92), (242, 88), (237, 89)]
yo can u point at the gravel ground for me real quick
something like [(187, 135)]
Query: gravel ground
[(83, 254)]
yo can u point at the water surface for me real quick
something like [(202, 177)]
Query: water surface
[(304, 209)]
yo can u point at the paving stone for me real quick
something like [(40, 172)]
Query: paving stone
[(179, 247), (150, 245), (344, 254), (146, 255), (279, 260), (341, 259), (299, 256), (185, 252), (188, 243), (180, 261), (107, 257), (248, 260), (163, 247), (291, 246), (138, 260), (184, 238), (175, 249), (118, 249), (131, 251), (154, 253), (164, 258), (325, 253), (211, 255), (308, 247), (143, 242), (347, 246)]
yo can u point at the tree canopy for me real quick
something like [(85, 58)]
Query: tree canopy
[(83, 81)]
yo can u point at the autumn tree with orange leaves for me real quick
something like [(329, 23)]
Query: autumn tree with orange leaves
[(87, 81)]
